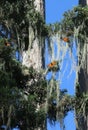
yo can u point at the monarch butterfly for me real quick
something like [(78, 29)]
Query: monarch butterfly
[(65, 39), (52, 64)]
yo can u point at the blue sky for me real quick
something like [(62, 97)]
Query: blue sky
[(54, 13), (56, 8)]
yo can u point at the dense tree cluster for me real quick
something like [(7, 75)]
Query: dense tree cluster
[(23, 91)]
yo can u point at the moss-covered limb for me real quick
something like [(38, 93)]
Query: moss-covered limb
[(78, 17), (81, 105), (81, 109), (74, 18), (67, 103), (16, 19)]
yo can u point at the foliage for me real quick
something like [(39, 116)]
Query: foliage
[(73, 19), (58, 112), (73, 25), (67, 24), (21, 89), (76, 19), (67, 103), (81, 103), (17, 17)]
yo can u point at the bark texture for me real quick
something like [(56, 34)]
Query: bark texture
[(34, 55), (83, 77), (83, 2), (83, 81)]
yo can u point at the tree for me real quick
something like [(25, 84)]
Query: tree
[(83, 2), (75, 22), (83, 74), (33, 55), (18, 22), (22, 31), (74, 27), (21, 90)]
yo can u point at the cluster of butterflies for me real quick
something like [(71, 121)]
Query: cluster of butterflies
[(52, 64)]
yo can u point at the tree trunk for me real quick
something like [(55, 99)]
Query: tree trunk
[(34, 55), (83, 2), (83, 78), (83, 81)]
